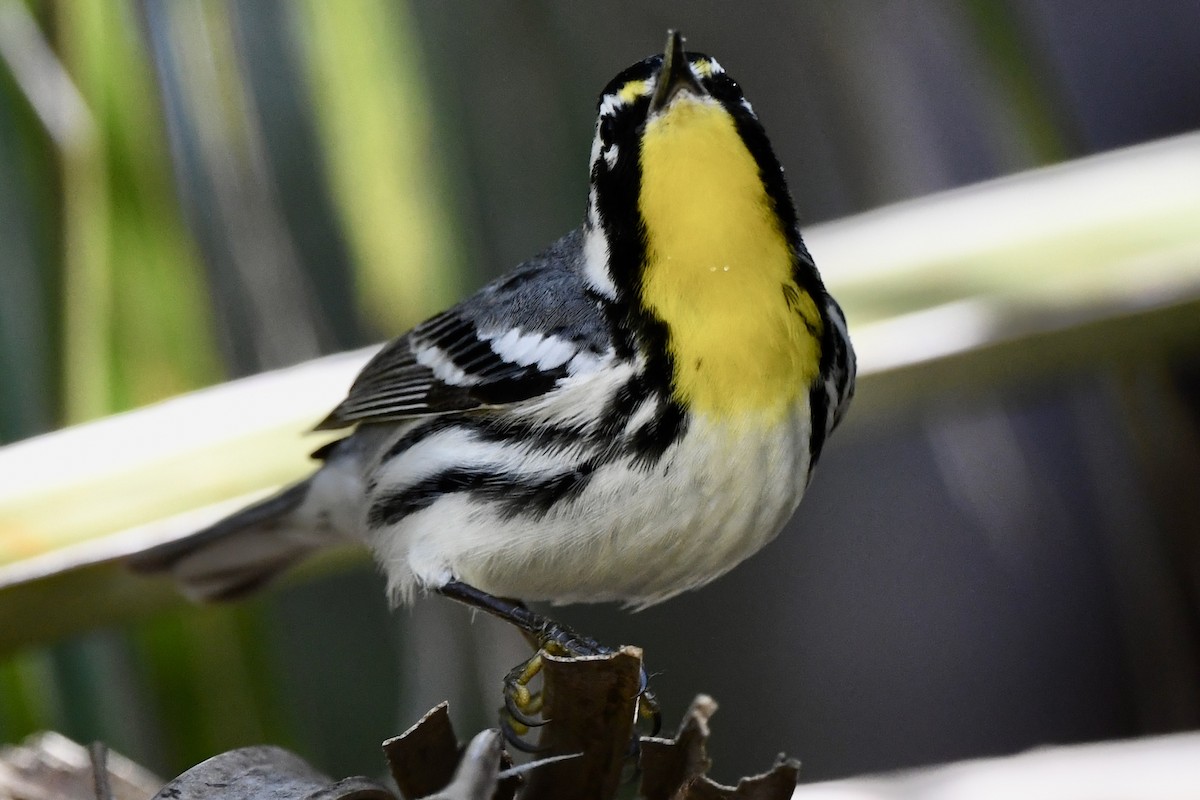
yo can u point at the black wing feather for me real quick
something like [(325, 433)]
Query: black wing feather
[(547, 295)]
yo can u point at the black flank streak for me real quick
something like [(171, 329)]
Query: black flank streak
[(549, 439), (515, 496), (395, 506), (818, 401), (652, 439), (536, 499), (490, 427), (649, 442), (621, 407)]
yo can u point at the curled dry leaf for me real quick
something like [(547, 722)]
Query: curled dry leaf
[(590, 703), (251, 773), (426, 761), (675, 769), (423, 759), (777, 784), (49, 766)]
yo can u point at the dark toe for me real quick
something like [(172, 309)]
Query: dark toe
[(514, 739)]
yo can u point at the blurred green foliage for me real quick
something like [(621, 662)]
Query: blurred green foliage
[(131, 135), (134, 319)]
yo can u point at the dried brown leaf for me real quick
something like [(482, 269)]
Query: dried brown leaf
[(591, 703), (668, 764), (424, 758), (49, 766), (251, 773), (778, 784)]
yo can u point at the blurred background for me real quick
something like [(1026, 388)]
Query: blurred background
[(196, 191)]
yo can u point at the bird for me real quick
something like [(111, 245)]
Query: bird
[(623, 417)]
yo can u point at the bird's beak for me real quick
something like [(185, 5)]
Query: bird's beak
[(676, 75)]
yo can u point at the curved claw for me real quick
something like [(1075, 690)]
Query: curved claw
[(514, 710), (655, 721), (648, 707), (648, 703), (513, 738)]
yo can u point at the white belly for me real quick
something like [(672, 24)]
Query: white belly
[(633, 534)]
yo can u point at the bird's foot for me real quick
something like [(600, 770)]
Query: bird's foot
[(522, 706), (522, 710)]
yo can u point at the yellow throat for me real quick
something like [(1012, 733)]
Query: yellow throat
[(718, 272)]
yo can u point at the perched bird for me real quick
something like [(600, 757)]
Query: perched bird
[(623, 417)]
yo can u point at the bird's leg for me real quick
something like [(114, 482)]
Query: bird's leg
[(555, 637), (548, 636)]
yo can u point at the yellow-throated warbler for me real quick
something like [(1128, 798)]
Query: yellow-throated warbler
[(625, 416)]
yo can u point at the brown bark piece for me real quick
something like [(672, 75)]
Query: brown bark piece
[(424, 758), (668, 764), (591, 703), (778, 784)]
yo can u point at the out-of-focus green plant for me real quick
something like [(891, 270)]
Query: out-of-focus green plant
[(382, 157), (117, 284), (103, 209), (136, 326)]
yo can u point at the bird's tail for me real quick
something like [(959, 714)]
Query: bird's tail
[(242, 552)]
